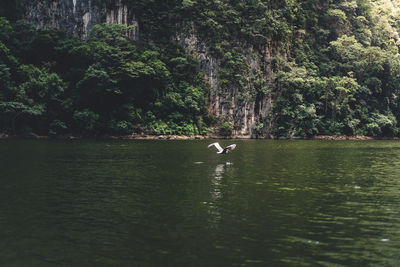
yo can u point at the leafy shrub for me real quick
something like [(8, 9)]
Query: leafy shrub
[(226, 129), (86, 120), (57, 127), (258, 128)]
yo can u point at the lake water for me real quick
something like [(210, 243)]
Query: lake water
[(178, 203)]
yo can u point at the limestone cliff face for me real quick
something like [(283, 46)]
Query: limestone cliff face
[(244, 109), (78, 16)]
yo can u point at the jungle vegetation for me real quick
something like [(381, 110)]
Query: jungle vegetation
[(333, 68), (55, 84)]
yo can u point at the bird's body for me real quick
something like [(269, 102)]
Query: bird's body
[(221, 150)]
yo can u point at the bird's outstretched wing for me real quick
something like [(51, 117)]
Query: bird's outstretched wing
[(216, 144), (231, 147)]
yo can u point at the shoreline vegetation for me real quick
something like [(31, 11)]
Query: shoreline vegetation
[(191, 137)]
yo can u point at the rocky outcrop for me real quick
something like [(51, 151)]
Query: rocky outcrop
[(78, 16), (244, 109)]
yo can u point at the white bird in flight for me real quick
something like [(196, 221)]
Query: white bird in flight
[(223, 150)]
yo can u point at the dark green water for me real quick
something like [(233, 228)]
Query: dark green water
[(177, 203)]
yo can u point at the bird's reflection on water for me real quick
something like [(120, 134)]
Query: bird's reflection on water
[(216, 193)]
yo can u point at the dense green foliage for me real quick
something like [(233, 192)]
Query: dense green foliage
[(330, 67), (346, 79), (55, 84), (334, 66)]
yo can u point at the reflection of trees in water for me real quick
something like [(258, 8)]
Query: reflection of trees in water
[(216, 194)]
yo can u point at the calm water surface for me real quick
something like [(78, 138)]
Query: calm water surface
[(177, 203)]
